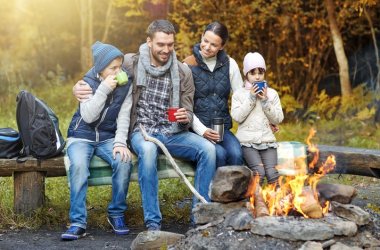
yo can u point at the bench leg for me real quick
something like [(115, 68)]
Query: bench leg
[(29, 191)]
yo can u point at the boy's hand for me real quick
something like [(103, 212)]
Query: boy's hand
[(110, 81), (82, 91), (124, 152)]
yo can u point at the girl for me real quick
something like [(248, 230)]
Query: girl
[(256, 111)]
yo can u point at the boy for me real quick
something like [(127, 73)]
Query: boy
[(100, 127)]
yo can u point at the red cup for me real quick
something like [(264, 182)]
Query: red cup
[(171, 116)]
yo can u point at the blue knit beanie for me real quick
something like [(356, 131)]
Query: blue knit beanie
[(103, 54)]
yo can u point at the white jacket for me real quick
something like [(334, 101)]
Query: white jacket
[(254, 116)]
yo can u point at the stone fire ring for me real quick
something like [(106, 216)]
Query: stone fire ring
[(299, 228)]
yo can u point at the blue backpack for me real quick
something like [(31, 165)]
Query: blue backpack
[(38, 127), (10, 143)]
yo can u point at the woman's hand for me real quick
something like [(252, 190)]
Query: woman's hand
[(211, 135), (82, 91), (124, 152)]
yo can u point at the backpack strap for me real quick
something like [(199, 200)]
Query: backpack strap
[(191, 61)]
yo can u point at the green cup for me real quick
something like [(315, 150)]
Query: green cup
[(122, 78)]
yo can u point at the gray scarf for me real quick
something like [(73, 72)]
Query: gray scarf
[(144, 66)]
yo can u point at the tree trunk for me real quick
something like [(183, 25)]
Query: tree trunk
[(86, 33), (108, 21), (373, 33), (339, 50)]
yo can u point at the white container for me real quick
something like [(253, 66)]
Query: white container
[(292, 158)]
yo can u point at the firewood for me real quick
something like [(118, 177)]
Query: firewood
[(261, 208), (310, 206)]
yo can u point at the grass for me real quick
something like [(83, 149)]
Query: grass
[(174, 195), (55, 211)]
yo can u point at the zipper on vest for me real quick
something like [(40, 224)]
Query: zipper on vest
[(77, 123), (97, 125)]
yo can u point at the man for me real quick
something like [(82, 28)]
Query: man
[(160, 82)]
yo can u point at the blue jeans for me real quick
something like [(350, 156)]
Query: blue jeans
[(80, 154), (229, 152), (184, 145)]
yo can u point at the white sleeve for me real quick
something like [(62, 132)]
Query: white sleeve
[(198, 126), (235, 76), (90, 110), (123, 120)]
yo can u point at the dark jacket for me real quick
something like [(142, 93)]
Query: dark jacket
[(212, 89), (105, 126)]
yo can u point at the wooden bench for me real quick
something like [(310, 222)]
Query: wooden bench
[(29, 177)]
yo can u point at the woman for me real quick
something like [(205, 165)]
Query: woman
[(215, 74)]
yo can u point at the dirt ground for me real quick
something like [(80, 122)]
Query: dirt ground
[(95, 239), (100, 239)]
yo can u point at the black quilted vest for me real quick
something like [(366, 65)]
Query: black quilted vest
[(212, 89)]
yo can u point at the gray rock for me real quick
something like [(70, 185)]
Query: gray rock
[(311, 245), (368, 241), (155, 240), (341, 246), (204, 213), (341, 226), (351, 212), (336, 192), (239, 219), (230, 183), (291, 228)]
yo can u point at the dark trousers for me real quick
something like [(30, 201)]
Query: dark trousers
[(262, 162)]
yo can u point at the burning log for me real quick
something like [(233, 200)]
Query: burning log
[(261, 208), (310, 206)]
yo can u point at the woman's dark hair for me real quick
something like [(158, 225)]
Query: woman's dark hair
[(219, 29)]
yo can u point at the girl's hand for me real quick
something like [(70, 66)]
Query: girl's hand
[(263, 95), (124, 152), (110, 81), (254, 89)]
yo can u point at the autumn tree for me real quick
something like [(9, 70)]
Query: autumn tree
[(339, 50), (292, 35)]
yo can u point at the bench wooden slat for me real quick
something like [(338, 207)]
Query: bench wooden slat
[(54, 167)]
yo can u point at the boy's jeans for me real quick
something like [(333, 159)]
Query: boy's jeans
[(80, 153), (184, 145)]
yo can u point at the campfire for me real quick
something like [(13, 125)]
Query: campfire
[(293, 194), (280, 212)]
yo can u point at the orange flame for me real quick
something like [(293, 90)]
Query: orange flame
[(312, 148), (290, 192)]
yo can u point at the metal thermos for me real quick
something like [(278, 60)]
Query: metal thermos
[(218, 125)]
